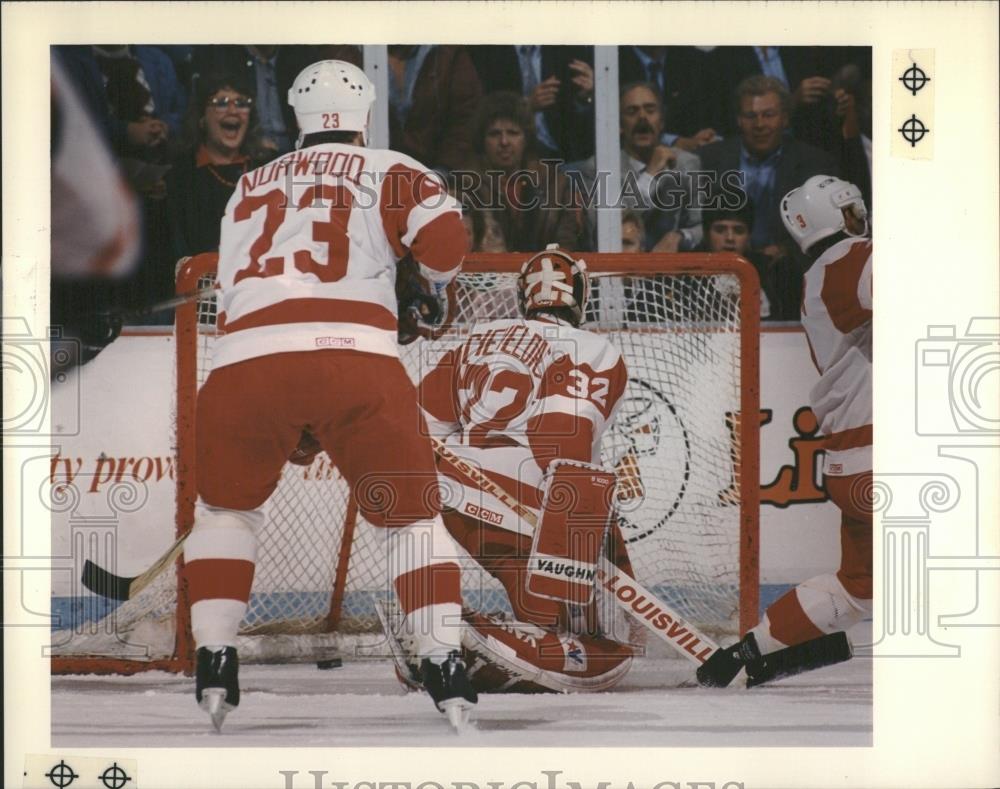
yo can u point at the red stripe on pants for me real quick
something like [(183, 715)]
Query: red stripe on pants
[(432, 584), (853, 495), (219, 579), (789, 623)]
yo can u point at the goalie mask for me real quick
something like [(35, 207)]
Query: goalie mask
[(552, 279), (331, 95), (813, 211)]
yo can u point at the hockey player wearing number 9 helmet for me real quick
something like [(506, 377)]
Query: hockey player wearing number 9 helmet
[(310, 356), (821, 208), (827, 218)]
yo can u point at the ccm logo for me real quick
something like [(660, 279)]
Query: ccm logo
[(483, 514), (602, 481), (335, 342), (835, 468)]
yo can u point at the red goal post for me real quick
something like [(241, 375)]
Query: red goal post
[(674, 315)]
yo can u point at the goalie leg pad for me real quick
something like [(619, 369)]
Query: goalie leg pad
[(513, 657), (572, 525)]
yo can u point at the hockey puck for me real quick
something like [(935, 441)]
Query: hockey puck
[(331, 663)]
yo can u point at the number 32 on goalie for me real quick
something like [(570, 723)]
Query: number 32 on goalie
[(588, 387)]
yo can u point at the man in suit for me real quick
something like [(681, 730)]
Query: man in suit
[(656, 178), (678, 75), (770, 161), (809, 73), (557, 81)]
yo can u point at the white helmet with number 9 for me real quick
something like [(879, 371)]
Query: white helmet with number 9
[(331, 95), (553, 279), (814, 211)]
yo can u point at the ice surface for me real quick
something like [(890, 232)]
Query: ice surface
[(362, 704)]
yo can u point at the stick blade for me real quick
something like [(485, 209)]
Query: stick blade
[(826, 650), (101, 582)]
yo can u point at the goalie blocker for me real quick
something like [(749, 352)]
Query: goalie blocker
[(572, 527)]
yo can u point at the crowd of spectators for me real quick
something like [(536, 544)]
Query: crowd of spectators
[(512, 129)]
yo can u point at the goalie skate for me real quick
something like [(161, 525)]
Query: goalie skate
[(217, 686)]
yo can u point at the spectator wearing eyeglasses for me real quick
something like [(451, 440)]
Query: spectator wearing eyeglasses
[(770, 162), (270, 69), (221, 141)]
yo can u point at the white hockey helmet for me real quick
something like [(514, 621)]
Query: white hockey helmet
[(331, 95), (554, 279), (813, 211)]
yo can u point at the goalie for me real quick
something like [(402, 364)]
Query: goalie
[(527, 401)]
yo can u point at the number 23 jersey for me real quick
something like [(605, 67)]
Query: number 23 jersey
[(309, 244), (514, 396)]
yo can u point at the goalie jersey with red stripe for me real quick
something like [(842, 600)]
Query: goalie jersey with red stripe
[(515, 395), (837, 317), (309, 245)]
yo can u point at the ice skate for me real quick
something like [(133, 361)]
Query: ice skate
[(217, 685), (450, 689)]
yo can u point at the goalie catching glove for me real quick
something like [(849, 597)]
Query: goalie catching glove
[(426, 309)]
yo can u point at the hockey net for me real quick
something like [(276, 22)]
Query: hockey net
[(687, 325)]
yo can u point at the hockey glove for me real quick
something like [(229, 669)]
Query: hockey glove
[(426, 309)]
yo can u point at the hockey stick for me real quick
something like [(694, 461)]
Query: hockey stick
[(128, 314), (117, 587), (625, 590)]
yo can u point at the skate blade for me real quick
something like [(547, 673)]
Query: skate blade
[(213, 701), (459, 713)]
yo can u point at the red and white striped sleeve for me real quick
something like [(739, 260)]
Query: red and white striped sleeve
[(419, 216), (437, 394), (847, 285)]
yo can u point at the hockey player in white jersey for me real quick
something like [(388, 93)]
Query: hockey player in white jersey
[(517, 399), (308, 306), (828, 219)]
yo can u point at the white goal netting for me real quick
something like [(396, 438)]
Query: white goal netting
[(690, 524)]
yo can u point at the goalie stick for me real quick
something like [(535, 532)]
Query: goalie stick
[(625, 590), (717, 667)]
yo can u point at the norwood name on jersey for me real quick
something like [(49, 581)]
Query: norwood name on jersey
[(327, 224), (315, 166)]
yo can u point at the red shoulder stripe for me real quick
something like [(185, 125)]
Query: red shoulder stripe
[(840, 288)]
